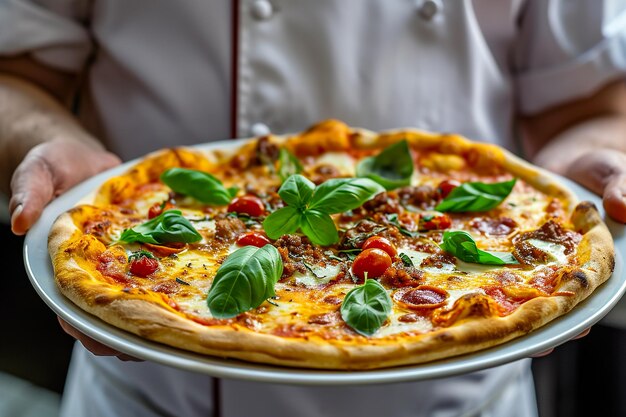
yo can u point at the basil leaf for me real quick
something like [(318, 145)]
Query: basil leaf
[(202, 186), (296, 191), (351, 254), (140, 254), (366, 307), (405, 259), (169, 226), (283, 221), (319, 227), (288, 164), (245, 279), (462, 245), (476, 196), (392, 167), (341, 194)]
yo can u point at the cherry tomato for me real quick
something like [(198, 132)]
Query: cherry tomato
[(143, 266), (253, 239), (435, 222), (247, 204), (445, 187), (374, 261), (380, 243), (158, 208)]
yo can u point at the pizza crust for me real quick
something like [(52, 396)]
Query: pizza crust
[(148, 315)]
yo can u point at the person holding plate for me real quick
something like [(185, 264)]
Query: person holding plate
[(87, 84)]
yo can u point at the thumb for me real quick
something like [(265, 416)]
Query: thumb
[(33, 187), (604, 173)]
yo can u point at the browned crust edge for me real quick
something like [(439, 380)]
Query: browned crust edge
[(151, 318)]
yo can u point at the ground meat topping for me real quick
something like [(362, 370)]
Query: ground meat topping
[(355, 236), (399, 275), (228, 228), (266, 151), (296, 251), (422, 196), (383, 203), (528, 254), (551, 231), (438, 260), (324, 172)]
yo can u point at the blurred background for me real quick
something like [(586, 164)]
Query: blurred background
[(34, 352), (584, 377)]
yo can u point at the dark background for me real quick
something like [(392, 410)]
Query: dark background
[(585, 377), (34, 347)]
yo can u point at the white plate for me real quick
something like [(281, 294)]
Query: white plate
[(40, 272)]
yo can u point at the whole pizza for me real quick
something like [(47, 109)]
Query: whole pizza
[(334, 248)]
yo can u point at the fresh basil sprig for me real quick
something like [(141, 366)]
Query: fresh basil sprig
[(288, 164), (309, 207), (200, 185), (366, 307), (169, 226), (476, 196), (461, 244), (245, 279), (392, 167)]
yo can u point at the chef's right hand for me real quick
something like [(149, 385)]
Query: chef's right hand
[(47, 171)]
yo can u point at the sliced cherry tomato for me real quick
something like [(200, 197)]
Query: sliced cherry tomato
[(247, 204), (158, 208), (143, 265), (253, 239), (380, 243), (372, 261), (445, 187), (435, 222)]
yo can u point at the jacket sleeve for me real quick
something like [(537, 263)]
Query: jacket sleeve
[(568, 49), (55, 32)]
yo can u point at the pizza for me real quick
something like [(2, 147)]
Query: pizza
[(332, 248)]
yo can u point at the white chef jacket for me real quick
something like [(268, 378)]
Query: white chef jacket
[(163, 73)]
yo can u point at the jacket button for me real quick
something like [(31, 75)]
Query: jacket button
[(262, 9), (259, 129), (429, 8)]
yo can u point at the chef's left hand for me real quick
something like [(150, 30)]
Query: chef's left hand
[(603, 171)]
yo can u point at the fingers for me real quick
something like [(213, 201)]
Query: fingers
[(542, 354), (47, 171), (614, 197), (604, 172), (92, 345), (549, 351), (583, 334)]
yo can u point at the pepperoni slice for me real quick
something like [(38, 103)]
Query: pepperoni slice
[(424, 297)]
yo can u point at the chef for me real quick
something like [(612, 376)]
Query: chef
[(86, 82)]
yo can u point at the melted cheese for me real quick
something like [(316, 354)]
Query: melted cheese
[(317, 275), (340, 160)]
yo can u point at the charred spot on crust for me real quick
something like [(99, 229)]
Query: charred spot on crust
[(103, 299), (612, 263), (586, 206), (445, 337), (579, 276)]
